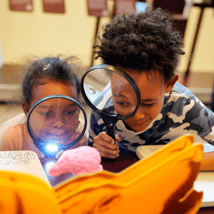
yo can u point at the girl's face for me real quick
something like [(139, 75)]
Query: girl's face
[(152, 88), (51, 88), (57, 118)]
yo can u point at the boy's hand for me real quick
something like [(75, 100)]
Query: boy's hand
[(106, 146)]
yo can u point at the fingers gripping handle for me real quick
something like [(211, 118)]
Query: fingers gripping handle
[(110, 122)]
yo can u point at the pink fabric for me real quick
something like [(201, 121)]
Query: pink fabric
[(84, 159)]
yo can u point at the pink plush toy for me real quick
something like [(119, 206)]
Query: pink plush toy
[(84, 159)]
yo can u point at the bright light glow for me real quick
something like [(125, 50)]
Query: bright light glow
[(52, 147), (48, 165)]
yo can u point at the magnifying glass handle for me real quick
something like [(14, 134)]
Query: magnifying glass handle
[(110, 130), (110, 122)]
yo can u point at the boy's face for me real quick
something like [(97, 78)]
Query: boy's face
[(152, 88)]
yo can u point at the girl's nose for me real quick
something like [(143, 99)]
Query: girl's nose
[(58, 124)]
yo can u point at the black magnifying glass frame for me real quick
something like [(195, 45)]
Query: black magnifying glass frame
[(39, 143), (110, 119)]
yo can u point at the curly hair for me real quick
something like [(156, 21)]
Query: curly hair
[(143, 41), (50, 69)]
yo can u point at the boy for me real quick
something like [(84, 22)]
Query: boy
[(148, 48)]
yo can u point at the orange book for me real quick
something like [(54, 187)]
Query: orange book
[(161, 183)]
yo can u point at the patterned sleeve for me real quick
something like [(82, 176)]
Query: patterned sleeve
[(202, 122), (193, 115)]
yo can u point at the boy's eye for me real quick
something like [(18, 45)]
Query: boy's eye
[(124, 104), (151, 104)]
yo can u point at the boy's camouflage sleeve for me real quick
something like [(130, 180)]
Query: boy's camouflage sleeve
[(187, 112)]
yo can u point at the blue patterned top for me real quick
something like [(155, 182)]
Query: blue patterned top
[(182, 113)]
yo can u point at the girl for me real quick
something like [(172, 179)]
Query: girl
[(44, 77)]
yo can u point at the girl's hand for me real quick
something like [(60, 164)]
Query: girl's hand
[(59, 154), (106, 146)]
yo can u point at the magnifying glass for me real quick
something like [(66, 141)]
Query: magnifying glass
[(56, 123), (120, 95)]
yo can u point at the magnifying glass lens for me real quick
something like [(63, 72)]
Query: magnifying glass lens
[(55, 123), (110, 92), (118, 94)]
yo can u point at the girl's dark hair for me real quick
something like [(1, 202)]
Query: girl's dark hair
[(143, 41), (53, 69)]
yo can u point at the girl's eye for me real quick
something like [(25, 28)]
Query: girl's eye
[(70, 112), (47, 114)]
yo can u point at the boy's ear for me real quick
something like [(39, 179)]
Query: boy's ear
[(26, 108), (171, 83)]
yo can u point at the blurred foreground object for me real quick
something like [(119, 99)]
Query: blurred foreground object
[(165, 180), (161, 183), (23, 193), (84, 159)]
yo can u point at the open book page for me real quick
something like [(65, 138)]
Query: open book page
[(23, 162), (145, 151), (205, 183)]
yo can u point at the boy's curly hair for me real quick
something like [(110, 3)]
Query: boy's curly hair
[(143, 41)]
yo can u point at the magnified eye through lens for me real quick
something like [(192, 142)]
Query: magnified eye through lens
[(123, 95), (111, 93), (56, 122)]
